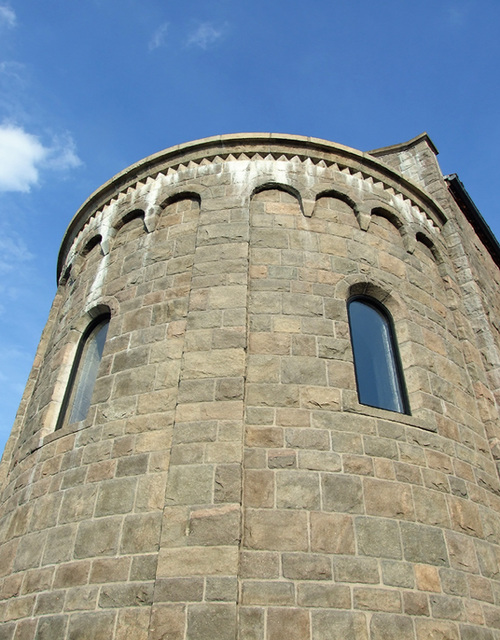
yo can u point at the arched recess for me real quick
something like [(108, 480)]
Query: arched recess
[(425, 243), (179, 208), (379, 375), (335, 195), (279, 186), (67, 353), (128, 228), (394, 238), (174, 239), (407, 335), (277, 202), (87, 258)]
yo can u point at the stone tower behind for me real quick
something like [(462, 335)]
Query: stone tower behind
[(216, 472)]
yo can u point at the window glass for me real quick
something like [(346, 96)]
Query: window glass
[(376, 362), (84, 373)]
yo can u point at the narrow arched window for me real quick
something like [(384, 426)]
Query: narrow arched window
[(83, 375), (379, 376)]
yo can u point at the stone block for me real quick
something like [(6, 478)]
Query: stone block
[(423, 544), (251, 623), (131, 594), (93, 625), (179, 590), (339, 625), (438, 630), (360, 570), (259, 488), (221, 589), (278, 530), (306, 566), (377, 600), (303, 370), (287, 622), (398, 574), (141, 533), (388, 499), (430, 507), (297, 490), (320, 461), (116, 496), (214, 526), (168, 622), (427, 578), (324, 595), (267, 593), (190, 484), (385, 626), (260, 564), (133, 623), (211, 620), (342, 493), (447, 607), (332, 533), (415, 604), (462, 552), (97, 537), (110, 570), (71, 575), (227, 483), (197, 561), (51, 627), (378, 537)]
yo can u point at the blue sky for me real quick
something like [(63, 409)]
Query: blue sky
[(88, 88)]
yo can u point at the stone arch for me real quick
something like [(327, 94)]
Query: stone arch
[(398, 224), (278, 186), (180, 195), (135, 218), (83, 251), (404, 332), (175, 209), (360, 285), (337, 195), (424, 239), (107, 306)]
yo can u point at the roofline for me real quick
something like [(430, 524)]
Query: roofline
[(471, 212), (237, 143)]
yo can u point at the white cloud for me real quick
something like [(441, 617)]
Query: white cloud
[(205, 35), (22, 156), (7, 16), (158, 37)]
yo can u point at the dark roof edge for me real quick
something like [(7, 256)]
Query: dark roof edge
[(466, 204)]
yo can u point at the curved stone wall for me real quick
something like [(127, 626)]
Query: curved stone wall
[(226, 482)]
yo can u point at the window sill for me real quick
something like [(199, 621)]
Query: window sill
[(420, 422)]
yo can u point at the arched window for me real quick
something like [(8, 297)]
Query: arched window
[(83, 375), (379, 376)]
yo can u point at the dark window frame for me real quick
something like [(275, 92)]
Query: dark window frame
[(74, 379), (393, 366)]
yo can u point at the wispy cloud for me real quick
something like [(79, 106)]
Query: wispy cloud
[(62, 155), (7, 16), (23, 156), (13, 252), (158, 37), (205, 35)]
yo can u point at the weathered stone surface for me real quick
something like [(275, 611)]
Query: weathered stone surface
[(226, 481)]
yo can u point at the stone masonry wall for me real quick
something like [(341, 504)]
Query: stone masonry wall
[(226, 483)]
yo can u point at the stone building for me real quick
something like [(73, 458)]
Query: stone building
[(264, 406)]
